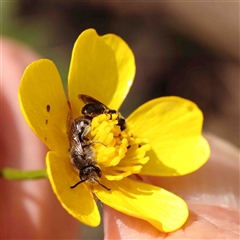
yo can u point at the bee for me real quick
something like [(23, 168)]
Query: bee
[(81, 127), (77, 129), (94, 108), (82, 155)]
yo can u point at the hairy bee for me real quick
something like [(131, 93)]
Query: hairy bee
[(94, 108), (82, 154)]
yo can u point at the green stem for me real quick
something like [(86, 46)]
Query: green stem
[(16, 174)]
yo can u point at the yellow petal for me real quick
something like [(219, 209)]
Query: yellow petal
[(173, 126), (164, 210), (78, 201), (93, 70), (102, 67), (43, 103), (126, 68)]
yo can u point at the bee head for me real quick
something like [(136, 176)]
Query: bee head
[(91, 174)]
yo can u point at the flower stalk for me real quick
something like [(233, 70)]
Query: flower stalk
[(16, 174)]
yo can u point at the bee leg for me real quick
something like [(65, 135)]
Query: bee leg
[(84, 132), (94, 142), (111, 112)]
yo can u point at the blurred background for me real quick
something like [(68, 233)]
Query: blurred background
[(188, 49)]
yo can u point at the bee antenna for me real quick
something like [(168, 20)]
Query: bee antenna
[(86, 180), (77, 183), (102, 185)]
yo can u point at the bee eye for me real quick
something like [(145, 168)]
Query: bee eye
[(98, 171)]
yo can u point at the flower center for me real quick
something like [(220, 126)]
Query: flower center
[(119, 154)]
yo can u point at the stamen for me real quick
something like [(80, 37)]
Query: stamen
[(121, 154)]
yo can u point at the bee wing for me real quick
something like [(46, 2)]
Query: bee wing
[(87, 99)]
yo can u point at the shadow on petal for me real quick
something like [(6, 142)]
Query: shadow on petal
[(158, 164)]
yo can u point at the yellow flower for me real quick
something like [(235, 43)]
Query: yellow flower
[(162, 137)]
